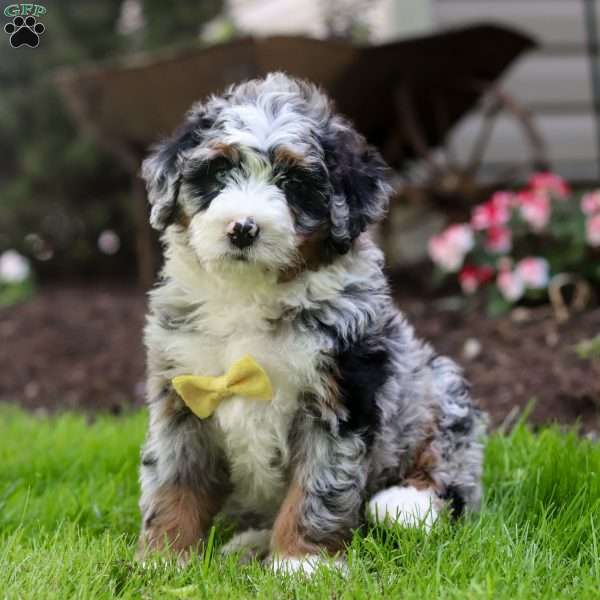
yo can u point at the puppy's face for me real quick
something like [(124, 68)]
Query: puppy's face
[(248, 204), (266, 176)]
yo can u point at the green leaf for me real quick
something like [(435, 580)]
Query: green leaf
[(497, 305), (589, 349), (186, 591), (15, 293)]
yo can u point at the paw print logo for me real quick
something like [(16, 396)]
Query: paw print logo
[(24, 32)]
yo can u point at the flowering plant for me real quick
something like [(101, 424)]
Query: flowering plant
[(16, 282), (517, 240)]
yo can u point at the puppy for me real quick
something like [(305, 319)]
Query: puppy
[(263, 198)]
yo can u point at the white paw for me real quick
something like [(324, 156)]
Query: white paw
[(253, 542), (307, 564), (407, 506)]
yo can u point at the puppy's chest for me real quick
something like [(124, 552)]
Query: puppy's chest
[(254, 433)]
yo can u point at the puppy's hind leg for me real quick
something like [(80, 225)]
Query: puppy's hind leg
[(446, 469), (405, 505), (184, 479)]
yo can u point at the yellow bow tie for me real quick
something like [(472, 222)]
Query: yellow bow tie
[(203, 394)]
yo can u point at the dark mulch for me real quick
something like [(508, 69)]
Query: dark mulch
[(74, 347), (80, 347), (520, 358)]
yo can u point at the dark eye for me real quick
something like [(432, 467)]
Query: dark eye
[(294, 181), (221, 176), (205, 180), (305, 190)]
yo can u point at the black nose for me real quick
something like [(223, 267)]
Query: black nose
[(243, 233)]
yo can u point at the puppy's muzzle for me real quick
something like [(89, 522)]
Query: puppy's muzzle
[(243, 233)]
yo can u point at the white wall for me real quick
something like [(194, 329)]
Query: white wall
[(387, 19), (553, 81)]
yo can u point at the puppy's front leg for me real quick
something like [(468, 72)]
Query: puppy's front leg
[(325, 498), (184, 478)]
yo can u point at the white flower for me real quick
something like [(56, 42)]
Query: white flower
[(131, 20), (14, 268), (534, 272), (109, 242)]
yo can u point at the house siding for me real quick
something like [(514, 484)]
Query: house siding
[(553, 82), (386, 19)]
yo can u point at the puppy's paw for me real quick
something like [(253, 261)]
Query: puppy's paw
[(405, 505), (307, 564), (253, 543)]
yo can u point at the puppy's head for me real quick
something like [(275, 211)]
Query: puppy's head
[(265, 175)]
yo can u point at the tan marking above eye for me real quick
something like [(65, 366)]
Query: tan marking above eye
[(229, 151), (288, 157)]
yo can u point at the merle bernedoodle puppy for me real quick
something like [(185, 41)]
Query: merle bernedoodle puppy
[(263, 198)]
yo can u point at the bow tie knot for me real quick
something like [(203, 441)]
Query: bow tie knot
[(202, 394)]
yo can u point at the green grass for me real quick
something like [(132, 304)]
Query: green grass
[(68, 525)]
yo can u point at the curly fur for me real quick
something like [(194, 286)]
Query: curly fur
[(360, 404)]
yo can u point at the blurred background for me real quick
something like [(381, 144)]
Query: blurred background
[(487, 111)]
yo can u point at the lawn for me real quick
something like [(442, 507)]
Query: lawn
[(69, 520)]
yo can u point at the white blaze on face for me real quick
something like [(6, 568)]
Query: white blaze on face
[(263, 127), (275, 246)]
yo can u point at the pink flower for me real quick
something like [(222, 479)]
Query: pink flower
[(535, 208), (590, 203), (485, 274), (592, 230), (550, 183), (498, 240), (494, 212), (471, 278), (534, 272), (449, 248), (468, 280), (510, 284)]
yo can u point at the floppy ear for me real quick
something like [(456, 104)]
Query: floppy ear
[(358, 176), (162, 172)]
